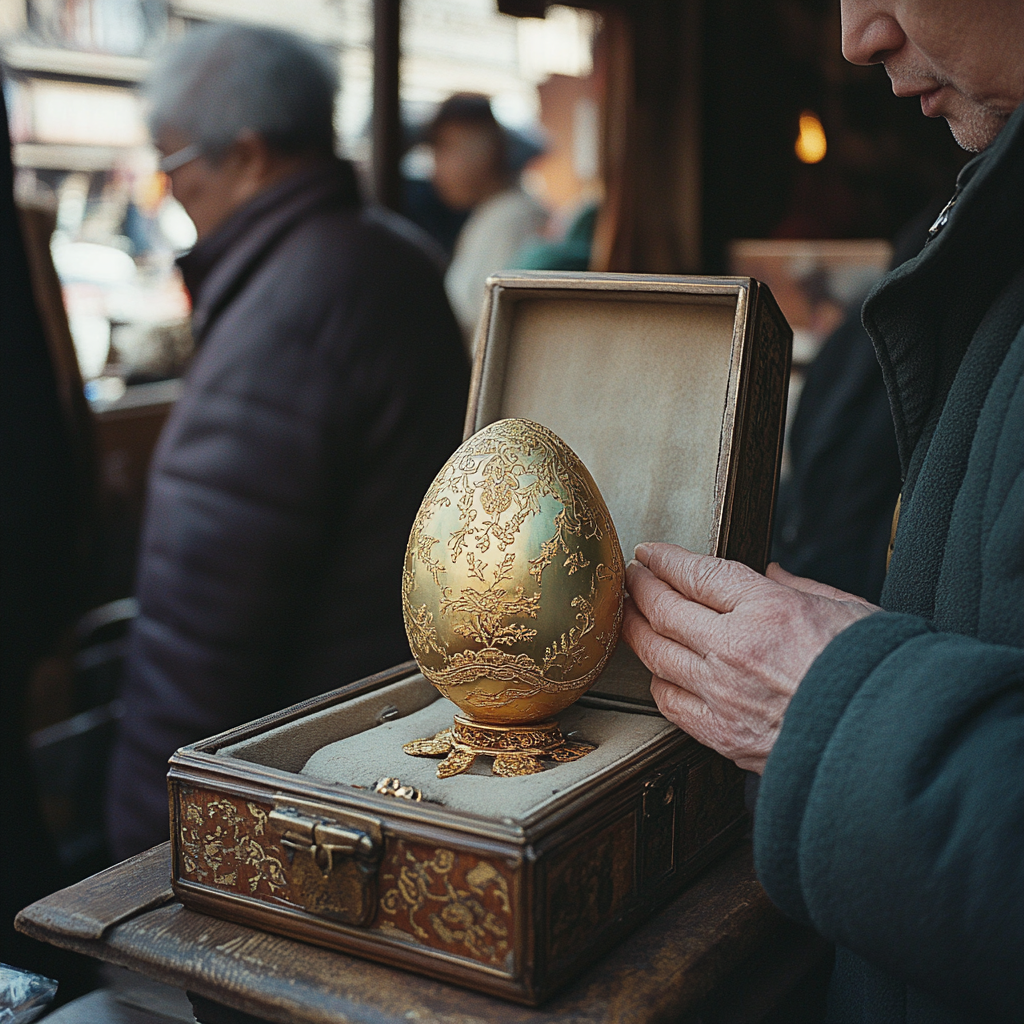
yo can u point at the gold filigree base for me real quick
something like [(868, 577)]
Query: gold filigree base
[(516, 749)]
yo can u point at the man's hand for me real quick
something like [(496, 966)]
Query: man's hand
[(727, 646)]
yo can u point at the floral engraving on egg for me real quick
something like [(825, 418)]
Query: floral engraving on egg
[(513, 580)]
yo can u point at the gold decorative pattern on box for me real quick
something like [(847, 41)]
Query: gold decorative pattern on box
[(449, 901), (223, 846), (513, 585), (234, 844)]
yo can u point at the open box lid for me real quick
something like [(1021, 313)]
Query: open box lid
[(672, 390)]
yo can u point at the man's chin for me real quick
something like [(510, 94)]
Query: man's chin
[(972, 135), (976, 127)]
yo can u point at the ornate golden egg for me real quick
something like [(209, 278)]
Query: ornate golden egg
[(514, 579)]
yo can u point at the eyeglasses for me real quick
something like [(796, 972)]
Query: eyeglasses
[(183, 156)]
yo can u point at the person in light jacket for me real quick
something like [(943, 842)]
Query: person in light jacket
[(472, 171)]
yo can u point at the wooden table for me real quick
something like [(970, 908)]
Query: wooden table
[(719, 952)]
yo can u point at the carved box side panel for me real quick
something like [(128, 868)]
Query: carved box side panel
[(714, 802), (225, 842), (456, 902), (589, 883)]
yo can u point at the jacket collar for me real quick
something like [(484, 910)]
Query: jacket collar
[(217, 266), (923, 314)]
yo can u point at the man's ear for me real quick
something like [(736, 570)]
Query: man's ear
[(252, 156)]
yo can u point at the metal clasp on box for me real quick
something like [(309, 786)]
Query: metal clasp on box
[(321, 840), (306, 831), (333, 857), (662, 817)]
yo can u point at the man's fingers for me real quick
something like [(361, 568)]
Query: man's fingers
[(717, 583), (779, 575), (681, 707), (662, 656), (695, 717), (670, 614)]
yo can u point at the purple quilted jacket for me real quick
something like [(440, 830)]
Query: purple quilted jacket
[(329, 386)]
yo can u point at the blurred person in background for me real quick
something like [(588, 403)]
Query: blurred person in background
[(420, 202), (472, 171), (328, 387), (835, 507)]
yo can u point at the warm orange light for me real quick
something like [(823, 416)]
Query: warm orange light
[(810, 145)]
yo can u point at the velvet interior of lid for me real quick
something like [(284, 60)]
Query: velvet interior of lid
[(637, 384)]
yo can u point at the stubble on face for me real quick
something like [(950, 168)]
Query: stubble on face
[(976, 127), (963, 60), (974, 122)]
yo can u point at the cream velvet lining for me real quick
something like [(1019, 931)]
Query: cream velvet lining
[(646, 417), (345, 745), (637, 385), (288, 747)]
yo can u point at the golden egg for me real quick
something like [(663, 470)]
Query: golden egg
[(513, 581)]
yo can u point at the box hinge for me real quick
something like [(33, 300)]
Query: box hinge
[(662, 817)]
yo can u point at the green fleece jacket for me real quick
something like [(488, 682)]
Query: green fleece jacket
[(891, 812)]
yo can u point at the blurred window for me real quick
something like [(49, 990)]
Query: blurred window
[(124, 27)]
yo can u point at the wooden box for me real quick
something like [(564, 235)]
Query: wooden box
[(672, 391)]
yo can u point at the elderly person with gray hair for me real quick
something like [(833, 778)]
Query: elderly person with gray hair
[(328, 387)]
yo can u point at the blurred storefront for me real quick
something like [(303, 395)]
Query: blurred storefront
[(72, 75), (82, 154), (72, 78)]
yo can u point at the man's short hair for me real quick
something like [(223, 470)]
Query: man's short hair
[(220, 80)]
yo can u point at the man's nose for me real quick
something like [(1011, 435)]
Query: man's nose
[(870, 31)]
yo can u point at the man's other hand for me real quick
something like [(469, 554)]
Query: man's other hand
[(727, 646)]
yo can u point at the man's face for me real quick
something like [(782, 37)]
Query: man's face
[(207, 190), (964, 58)]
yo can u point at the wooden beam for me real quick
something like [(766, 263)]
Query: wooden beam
[(387, 118), (525, 8), (648, 57)]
